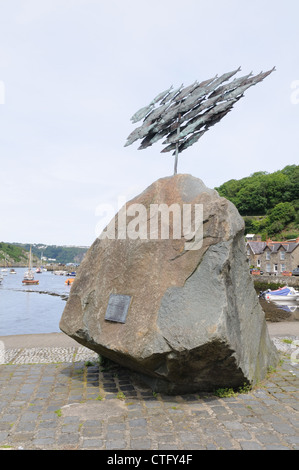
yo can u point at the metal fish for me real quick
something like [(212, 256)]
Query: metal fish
[(132, 137), (146, 142), (217, 118), (202, 119), (191, 140), (166, 118), (207, 103), (193, 112), (230, 86), (161, 95), (221, 79), (171, 95), (236, 92), (168, 148), (186, 91), (171, 137), (152, 138), (156, 113), (141, 113), (259, 77), (186, 130), (145, 129), (207, 82), (139, 133), (193, 97), (160, 135), (222, 107)]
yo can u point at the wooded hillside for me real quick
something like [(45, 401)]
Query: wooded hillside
[(269, 202)]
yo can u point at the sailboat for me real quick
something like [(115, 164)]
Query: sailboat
[(4, 270), (28, 276)]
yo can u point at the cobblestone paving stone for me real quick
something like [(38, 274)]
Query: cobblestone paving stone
[(61, 398)]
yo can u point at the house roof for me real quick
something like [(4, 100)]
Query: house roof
[(259, 247)]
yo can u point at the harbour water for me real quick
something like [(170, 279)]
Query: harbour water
[(31, 309), (38, 308)]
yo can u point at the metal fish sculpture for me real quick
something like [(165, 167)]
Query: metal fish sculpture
[(183, 115)]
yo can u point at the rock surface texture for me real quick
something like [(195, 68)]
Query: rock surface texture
[(194, 321)]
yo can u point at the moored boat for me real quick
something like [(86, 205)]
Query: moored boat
[(282, 294), (28, 276)]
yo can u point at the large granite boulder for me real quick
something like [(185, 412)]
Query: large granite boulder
[(187, 317)]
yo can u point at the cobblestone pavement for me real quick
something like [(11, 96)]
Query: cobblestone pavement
[(61, 398)]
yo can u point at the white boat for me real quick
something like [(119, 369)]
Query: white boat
[(28, 276), (282, 294), (4, 270)]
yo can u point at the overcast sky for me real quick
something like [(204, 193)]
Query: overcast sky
[(73, 72)]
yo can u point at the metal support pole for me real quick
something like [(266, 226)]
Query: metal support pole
[(176, 159), (177, 148)]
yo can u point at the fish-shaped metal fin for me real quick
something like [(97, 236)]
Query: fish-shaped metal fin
[(191, 140), (161, 95), (171, 95), (186, 91), (141, 113)]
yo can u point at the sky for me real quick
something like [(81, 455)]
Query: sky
[(73, 72)]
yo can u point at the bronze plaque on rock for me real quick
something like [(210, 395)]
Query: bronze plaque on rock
[(117, 309)]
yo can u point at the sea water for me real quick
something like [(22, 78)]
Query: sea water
[(31, 309)]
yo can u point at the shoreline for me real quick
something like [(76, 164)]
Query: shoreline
[(38, 340), (60, 339)]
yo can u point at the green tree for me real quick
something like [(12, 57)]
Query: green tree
[(279, 216), (250, 200)]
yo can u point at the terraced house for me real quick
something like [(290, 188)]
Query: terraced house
[(273, 257)]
